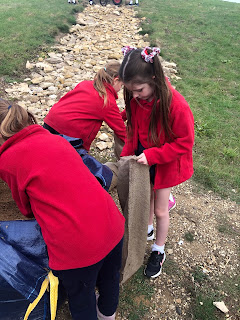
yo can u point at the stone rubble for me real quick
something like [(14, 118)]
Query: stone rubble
[(91, 43)]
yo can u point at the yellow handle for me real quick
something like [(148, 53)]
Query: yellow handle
[(50, 278)]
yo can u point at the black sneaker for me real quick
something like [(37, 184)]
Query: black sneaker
[(150, 235), (154, 266)]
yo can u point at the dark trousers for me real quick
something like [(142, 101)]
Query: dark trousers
[(50, 129), (80, 286)]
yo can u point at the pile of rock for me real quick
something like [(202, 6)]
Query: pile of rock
[(97, 38)]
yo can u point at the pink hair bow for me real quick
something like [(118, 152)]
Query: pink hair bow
[(127, 49), (148, 57)]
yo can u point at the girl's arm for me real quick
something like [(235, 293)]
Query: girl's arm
[(128, 149), (114, 120), (183, 127)]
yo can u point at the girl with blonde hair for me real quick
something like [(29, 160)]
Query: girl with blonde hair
[(80, 112)]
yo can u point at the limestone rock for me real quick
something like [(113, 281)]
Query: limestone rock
[(101, 145), (221, 306), (103, 137), (29, 65)]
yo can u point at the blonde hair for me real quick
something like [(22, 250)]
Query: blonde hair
[(13, 118), (105, 75)]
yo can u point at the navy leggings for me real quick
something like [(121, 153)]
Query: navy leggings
[(80, 286)]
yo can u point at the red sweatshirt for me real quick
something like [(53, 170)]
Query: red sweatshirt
[(174, 163), (80, 222), (80, 113)]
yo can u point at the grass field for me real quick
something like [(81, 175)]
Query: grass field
[(203, 38)]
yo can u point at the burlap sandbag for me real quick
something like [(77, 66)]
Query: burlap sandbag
[(118, 146), (114, 167), (133, 187)]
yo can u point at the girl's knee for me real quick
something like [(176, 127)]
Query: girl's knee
[(161, 213)]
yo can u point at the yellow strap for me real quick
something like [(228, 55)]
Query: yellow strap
[(53, 295)]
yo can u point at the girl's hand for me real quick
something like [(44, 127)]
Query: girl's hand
[(142, 159)]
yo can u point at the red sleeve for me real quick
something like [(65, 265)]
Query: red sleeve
[(114, 120), (183, 127), (128, 149)]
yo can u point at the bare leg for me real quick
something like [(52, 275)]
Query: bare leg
[(162, 215), (157, 257), (151, 215)]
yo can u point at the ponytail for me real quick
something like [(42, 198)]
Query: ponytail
[(13, 118), (103, 76)]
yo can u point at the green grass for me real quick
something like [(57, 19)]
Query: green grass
[(225, 227), (135, 296), (189, 236), (203, 38), (204, 308), (208, 292), (27, 27)]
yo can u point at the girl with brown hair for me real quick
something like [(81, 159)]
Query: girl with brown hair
[(160, 131)]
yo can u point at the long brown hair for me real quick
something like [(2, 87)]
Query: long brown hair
[(13, 118), (134, 70), (105, 75)]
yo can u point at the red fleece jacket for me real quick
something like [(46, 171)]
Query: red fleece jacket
[(80, 222), (174, 163), (80, 113)]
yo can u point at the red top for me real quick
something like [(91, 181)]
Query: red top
[(79, 220), (80, 113), (174, 160)]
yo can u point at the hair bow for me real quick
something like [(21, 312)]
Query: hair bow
[(127, 49), (148, 57)]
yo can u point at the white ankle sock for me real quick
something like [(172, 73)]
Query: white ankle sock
[(150, 228), (155, 247), (171, 197)]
